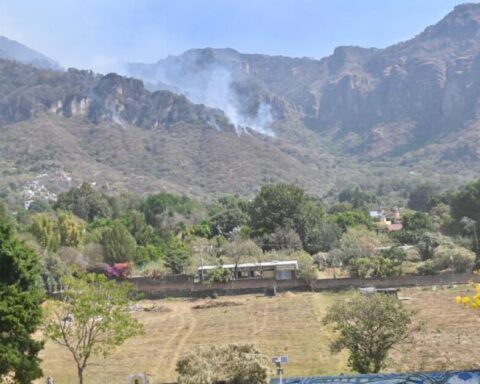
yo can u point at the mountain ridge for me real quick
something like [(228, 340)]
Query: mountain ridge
[(13, 50), (214, 121)]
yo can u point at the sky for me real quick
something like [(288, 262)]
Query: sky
[(99, 34)]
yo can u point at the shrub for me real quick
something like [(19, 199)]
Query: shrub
[(230, 364)]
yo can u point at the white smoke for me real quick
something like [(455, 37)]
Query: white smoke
[(116, 118), (212, 87)]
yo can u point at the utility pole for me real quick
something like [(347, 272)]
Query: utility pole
[(201, 249)]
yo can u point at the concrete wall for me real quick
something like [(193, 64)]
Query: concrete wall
[(153, 289)]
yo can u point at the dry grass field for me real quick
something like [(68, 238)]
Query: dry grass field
[(289, 324)]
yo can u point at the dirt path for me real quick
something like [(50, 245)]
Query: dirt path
[(169, 344), (186, 330), (263, 321)]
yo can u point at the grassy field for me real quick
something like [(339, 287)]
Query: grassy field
[(289, 324)]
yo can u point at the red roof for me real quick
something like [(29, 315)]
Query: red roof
[(395, 227)]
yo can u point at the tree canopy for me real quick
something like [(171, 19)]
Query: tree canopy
[(368, 326), (91, 319), (20, 312)]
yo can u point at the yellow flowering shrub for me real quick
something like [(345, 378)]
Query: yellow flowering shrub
[(470, 301)]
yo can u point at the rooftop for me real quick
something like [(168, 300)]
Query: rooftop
[(292, 263)]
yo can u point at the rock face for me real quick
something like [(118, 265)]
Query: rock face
[(216, 120), (372, 102), (111, 130)]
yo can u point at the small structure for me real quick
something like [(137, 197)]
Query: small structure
[(373, 290), (277, 270), (395, 227), (376, 215), (138, 378)]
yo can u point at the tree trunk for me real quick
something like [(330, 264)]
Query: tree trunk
[(80, 375)]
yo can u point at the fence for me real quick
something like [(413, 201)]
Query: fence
[(153, 288)]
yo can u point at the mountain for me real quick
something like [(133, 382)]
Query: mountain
[(60, 128), (12, 50), (414, 98), (214, 121)]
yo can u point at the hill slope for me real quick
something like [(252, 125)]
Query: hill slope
[(65, 127), (405, 101), (407, 112), (12, 50)]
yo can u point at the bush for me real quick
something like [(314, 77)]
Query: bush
[(457, 258), (448, 258), (230, 364)]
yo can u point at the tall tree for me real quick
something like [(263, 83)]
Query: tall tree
[(229, 213), (368, 326), (44, 227), (155, 205), (85, 202), (420, 198), (92, 318), (177, 256), (118, 244), (278, 205), (239, 250), (20, 312), (466, 202), (71, 230)]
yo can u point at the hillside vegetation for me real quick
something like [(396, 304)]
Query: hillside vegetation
[(401, 114)]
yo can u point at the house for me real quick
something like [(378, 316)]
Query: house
[(277, 270), (376, 215), (395, 227)]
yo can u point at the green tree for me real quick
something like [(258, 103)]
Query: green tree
[(229, 364), (5, 216), (71, 230), (466, 202), (91, 319), (44, 227), (312, 217), (307, 269), (414, 225), (278, 205), (282, 238), (148, 253), (428, 242), (356, 197), (156, 205), (229, 213), (349, 219), (85, 202), (118, 244), (219, 274), (359, 243), (322, 236), (456, 258), (138, 227), (417, 222), (20, 312), (368, 326), (420, 197), (177, 256)]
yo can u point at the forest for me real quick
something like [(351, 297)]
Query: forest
[(169, 234)]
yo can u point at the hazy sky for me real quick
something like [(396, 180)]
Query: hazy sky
[(98, 33)]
